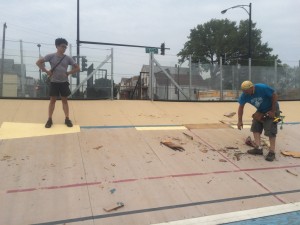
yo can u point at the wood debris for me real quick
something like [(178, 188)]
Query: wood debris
[(114, 206), (231, 147), (173, 146), (230, 114), (290, 172), (189, 136), (210, 180), (291, 153), (98, 147), (5, 157), (238, 155)]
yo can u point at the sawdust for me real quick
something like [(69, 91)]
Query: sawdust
[(5, 157)]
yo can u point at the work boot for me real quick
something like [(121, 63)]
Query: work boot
[(270, 157), (49, 123), (68, 122), (255, 151)]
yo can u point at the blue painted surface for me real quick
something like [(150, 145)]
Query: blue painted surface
[(291, 218), (164, 125)]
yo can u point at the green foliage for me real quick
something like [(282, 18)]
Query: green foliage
[(217, 38)]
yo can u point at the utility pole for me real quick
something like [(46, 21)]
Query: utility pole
[(2, 61), (78, 47)]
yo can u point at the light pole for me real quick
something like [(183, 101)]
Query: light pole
[(78, 45), (250, 23), (40, 71)]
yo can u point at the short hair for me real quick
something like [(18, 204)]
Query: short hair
[(60, 41)]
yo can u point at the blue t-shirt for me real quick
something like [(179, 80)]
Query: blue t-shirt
[(261, 99)]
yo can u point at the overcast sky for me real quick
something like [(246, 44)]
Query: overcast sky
[(144, 22)]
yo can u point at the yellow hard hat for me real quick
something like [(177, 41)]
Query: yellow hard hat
[(246, 85)]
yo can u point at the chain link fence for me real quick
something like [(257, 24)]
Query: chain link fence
[(108, 75)]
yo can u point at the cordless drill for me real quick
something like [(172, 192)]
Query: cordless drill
[(276, 119)]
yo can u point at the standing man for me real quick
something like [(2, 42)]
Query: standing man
[(58, 74), (264, 99)]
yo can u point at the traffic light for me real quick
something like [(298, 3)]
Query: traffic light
[(83, 64), (162, 49)]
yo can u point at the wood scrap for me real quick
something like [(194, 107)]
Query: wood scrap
[(291, 153), (173, 146), (210, 180), (114, 206), (230, 114), (238, 155), (189, 136), (290, 172), (231, 147)]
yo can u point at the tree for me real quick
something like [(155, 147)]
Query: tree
[(223, 38)]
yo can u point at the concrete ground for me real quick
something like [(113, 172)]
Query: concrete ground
[(113, 157)]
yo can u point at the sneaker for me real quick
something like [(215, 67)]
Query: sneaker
[(255, 151), (270, 157), (49, 123), (68, 122)]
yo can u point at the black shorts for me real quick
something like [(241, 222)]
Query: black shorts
[(59, 89)]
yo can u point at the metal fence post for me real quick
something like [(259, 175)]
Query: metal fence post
[(221, 79), (112, 73), (151, 75), (250, 69), (275, 74), (23, 79)]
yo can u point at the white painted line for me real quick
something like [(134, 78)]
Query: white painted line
[(237, 216), (244, 126)]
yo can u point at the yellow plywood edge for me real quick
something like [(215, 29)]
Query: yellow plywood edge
[(162, 128), (11, 130), (244, 126)]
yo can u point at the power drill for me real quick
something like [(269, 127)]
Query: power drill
[(275, 120)]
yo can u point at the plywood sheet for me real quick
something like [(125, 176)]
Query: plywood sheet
[(11, 130)]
